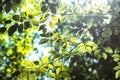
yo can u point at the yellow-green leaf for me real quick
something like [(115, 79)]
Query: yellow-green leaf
[(55, 19), (52, 25), (31, 77), (42, 70), (22, 76), (117, 74), (97, 51), (56, 63), (52, 75), (81, 48), (28, 64), (108, 50), (58, 70), (45, 59), (28, 11), (104, 55), (88, 49), (95, 47), (50, 66), (90, 43)]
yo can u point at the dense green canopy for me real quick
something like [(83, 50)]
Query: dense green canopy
[(83, 38)]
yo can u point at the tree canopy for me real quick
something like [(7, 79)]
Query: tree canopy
[(83, 38)]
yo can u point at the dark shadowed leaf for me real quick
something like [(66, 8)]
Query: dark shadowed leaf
[(53, 10), (44, 40), (15, 17), (36, 62), (42, 27), (27, 25), (12, 29), (43, 35), (7, 21), (16, 73), (30, 16), (46, 1), (20, 28), (18, 1), (2, 29), (1, 9), (44, 9), (8, 8), (49, 34)]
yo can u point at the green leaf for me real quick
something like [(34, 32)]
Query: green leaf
[(107, 33), (44, 9), (58, 70), (44, 40), (50, 66), (57, 45), (2, 29), (88, 49), (116, 56), (104, 55), (52, 25), (90, 43), (82, 48), (97, 51), (95, 47), (52, 75), (108, 50), (22, 76), (117, 74), (116, 59), (23, 14), (31, 77), (117, 67), (65, 74), (56, 63), (45, 59)]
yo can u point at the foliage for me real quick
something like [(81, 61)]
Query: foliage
[(84, 41)]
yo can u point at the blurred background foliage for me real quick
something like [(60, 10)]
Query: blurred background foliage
[(82, 36)]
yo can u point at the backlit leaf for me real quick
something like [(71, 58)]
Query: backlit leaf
[(56, 63), (117, 74), (104, 55), (50, 66), (58, 70), (52, 75), (45, 59), (81, 48), (108, 50), (31, 77), (90, 43), (88, 49), (52, 25)]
